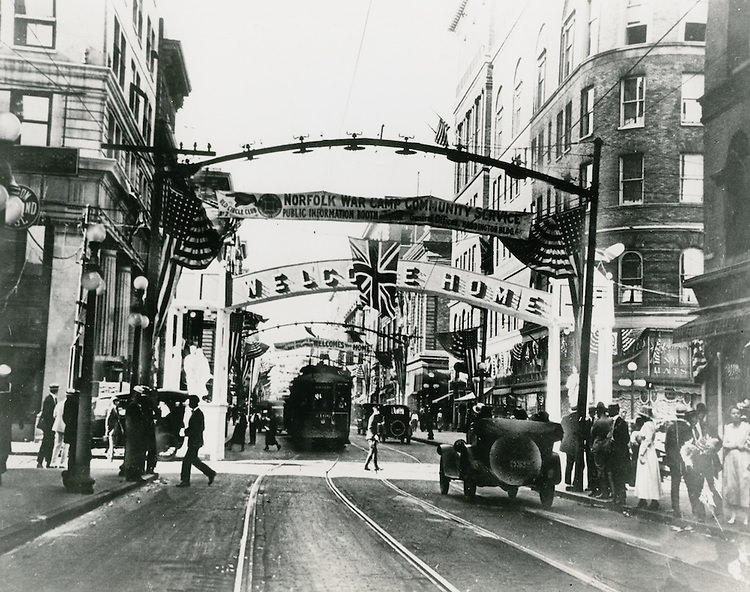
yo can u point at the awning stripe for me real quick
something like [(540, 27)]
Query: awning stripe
[(713, 324)]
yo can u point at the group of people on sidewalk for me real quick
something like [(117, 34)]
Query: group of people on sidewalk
[(247, 424), (615, 454)]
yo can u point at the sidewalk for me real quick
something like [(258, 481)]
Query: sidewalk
[(33, 501), (663, 515)]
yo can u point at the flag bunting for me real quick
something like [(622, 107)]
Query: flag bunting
[(441, 133), (375, 265)]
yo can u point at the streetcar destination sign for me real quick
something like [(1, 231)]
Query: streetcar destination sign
[(336, 207)]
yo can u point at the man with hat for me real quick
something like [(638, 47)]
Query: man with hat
[(600, 449), (620, 454), (570, 445), (45, 422), (678, 433), (70, 417)]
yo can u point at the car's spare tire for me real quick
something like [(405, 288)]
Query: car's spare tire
[(398, 428), (515, 459)]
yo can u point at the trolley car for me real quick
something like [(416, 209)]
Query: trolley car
[(318, 410)]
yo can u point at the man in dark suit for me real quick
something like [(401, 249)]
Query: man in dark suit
[(194, 434), (620, 455), (46, 420), (678, 433), (70, 435), (570, 445)]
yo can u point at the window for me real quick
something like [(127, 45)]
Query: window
[(692, 91), (632, 101), (736, 182), (631, 179), (566, 47), (118, 55), (533, 152), (135, 91), (35, 23), (498, 126), (568, 126), (517, 98), (637, 15), (586, 172), (559, 135), (587, 111), (541, 66), (691, 265), (150, 45), (540, 147), (631, 278), (33, 109), (138, 17), (549, 141), (691, 178), (592, 32), (695, 20)]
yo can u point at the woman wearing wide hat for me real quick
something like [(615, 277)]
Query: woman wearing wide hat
[(647, 477)]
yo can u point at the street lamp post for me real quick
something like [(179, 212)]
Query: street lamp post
[(482, 369), (632, 382), (138, 321), (77, 478)]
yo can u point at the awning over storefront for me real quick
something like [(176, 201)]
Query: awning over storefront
[(441, 398), (713, 324), (466, 397)]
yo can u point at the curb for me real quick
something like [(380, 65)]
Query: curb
[(18, 534)]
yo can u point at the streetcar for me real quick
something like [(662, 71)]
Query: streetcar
[(318, 410)]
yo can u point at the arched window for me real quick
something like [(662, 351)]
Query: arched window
[(499, 123), (631, 278), (541, 70), (517, 99), (737, 205), (691, 264)]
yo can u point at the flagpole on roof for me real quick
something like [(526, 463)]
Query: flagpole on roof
[(588, 301)]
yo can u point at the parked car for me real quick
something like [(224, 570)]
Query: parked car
[(506, 453), (395, 423), (169, 414)]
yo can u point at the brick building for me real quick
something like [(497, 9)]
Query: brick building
[(540, 83)]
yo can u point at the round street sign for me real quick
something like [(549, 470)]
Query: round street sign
[(31, 206)]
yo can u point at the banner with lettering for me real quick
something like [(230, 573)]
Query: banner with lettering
[(413, 276), (323, 344), (336, 207)]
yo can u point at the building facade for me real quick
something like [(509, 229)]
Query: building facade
[(80, 75), (541, 81), (719, 335)]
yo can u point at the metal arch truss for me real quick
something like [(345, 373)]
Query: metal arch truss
[(457, 155)]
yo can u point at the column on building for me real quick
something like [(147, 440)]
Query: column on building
[(106, 302), (122, 310)]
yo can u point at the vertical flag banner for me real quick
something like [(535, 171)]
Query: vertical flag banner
[(375, 266), (463, 345), (441, 133)]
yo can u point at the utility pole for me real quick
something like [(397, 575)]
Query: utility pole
[(588, 305)]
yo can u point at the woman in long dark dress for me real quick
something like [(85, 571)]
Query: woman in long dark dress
[(240, 428)]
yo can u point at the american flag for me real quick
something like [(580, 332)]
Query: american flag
[(190, 240), (441, 133), (553, 245), (698, 357), (656, 351), (463, 345), (236, 322), (375, 271)]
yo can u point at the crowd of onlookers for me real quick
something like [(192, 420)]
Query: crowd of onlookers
[(615, 454)]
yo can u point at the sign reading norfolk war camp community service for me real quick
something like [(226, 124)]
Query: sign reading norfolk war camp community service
[(335, 207)]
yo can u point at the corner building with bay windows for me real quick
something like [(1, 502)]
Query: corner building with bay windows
[(539, 81)]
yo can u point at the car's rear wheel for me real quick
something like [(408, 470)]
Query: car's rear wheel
[(470, 489)]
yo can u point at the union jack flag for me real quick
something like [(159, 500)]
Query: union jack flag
[(375, 271)]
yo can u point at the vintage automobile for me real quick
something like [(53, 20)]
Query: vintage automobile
[(395, 423), (169, 414), (506, 453)]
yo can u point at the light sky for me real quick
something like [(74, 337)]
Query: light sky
[(264, 72)]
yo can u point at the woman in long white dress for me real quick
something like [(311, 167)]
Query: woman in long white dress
[(735, 475), (647, 477)]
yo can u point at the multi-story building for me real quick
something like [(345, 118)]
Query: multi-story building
[(719, 335), (78, 75), (541, 81)]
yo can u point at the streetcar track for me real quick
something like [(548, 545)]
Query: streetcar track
[(363, 449), (570, 571), (243, 579), (433, 576)]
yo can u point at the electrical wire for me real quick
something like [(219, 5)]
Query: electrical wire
[(356, 63)]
